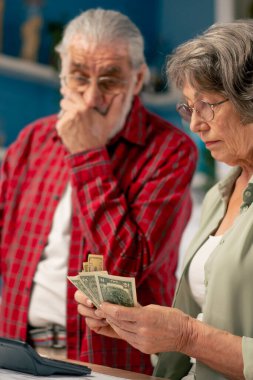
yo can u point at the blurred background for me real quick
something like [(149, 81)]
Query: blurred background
[(30, 29)]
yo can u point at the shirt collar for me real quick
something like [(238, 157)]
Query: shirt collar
[(226, 185)]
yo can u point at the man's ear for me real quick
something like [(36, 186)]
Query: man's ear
[(141, 75)]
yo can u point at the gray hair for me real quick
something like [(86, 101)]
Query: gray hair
[(220, 60), (102, 26)]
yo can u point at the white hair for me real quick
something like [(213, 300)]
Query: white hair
[(108, 26)]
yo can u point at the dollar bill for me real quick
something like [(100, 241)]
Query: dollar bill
[(86, 266), (116, 289), (99, 286), (80, 285), (95, 263), (89, 282)]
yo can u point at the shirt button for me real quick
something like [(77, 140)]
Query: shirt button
[(56, 197)]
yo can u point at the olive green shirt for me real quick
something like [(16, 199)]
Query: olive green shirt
[(228, 280)]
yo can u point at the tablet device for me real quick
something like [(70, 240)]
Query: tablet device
[(19, 356)]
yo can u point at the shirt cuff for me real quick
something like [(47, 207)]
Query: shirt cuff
[(90, 164), (247, 353)]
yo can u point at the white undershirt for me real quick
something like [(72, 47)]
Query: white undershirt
[(48, 298), (196, 274)]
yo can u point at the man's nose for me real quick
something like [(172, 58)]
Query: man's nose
[(92, 95)]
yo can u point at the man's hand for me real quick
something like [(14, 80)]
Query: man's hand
[(82, 128), (96, 323)]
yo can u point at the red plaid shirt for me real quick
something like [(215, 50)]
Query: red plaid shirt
[(130, 202)]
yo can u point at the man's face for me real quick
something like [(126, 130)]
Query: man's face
[(99, 73)]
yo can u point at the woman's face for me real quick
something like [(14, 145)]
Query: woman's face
[(225, 136)]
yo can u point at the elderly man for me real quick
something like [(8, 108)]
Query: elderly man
[(104, 176)]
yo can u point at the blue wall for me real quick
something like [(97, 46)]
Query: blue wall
[(164, 23), (183, 19), (23, 100), (64, 10)]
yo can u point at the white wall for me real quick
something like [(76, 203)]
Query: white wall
[(224, 10)]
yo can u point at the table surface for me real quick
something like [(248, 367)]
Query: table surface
[(117, 372)]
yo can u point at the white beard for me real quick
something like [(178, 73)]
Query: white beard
[(126, 107)]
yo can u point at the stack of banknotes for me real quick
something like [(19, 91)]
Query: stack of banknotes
[(99, 286)]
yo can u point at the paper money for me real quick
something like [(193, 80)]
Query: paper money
[(95, 263), (89, 281), (86, 266), (98, 286), (117, 290), (79, 285)]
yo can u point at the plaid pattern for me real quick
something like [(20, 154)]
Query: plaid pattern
[(131, 202), (50, 336)]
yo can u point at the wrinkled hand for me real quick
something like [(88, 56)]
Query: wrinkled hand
[(81, 127), (96, 323), (150, 329)]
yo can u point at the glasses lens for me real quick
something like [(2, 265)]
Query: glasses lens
[(204, 110), (185, 112), (105, 84), (110, 85), (76, 82)]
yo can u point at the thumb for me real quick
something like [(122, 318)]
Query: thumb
[(120, 313)]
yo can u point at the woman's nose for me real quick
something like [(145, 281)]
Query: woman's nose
[(197, 124)]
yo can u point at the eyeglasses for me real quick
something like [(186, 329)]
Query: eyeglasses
[(204, 110), (107, 85)]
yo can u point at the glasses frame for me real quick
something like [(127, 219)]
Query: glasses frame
[(88, 80), (191, 109)]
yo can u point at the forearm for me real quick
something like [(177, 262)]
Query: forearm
[(217, 349)]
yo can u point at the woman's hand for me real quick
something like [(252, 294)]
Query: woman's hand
[(96, 323), (155, 328), (150, 329)]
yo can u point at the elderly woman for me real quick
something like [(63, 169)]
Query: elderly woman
[(208, 334)]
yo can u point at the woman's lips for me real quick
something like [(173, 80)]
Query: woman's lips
[(211, 143)]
